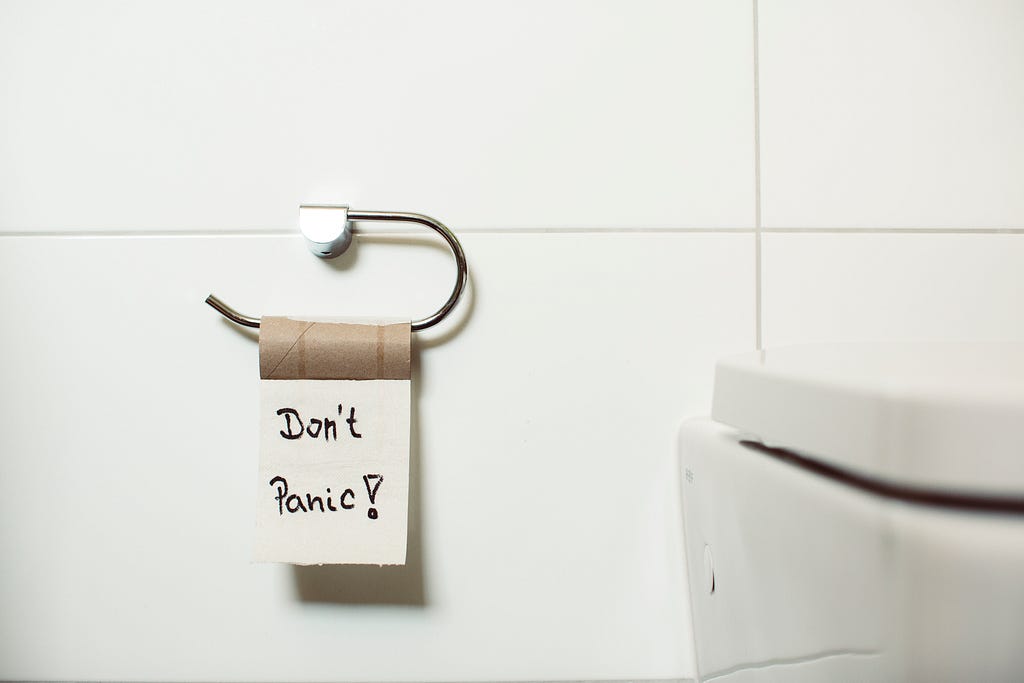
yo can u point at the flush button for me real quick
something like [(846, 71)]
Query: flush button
[(709, 570)]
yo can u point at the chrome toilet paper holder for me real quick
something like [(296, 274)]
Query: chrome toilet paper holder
[(327, 230)]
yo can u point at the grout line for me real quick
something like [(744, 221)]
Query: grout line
[(578, 230), (293, 232), (758, 230), (142, 232), (758, 295), (899, 231)]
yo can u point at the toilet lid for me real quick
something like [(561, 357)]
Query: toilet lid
[(948, 416)]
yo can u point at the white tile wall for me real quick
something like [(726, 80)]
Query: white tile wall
[(224, 116), (590, 155), (892, 287), (546, 536), (892, 114)]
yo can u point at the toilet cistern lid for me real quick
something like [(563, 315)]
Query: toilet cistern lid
[(943, 415)]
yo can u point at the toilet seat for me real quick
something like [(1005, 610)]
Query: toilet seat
[(856, 512), (947, 416)]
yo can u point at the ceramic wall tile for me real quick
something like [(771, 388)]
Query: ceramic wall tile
[(891, 114), (546, 537), (854, 287), (198, 116)]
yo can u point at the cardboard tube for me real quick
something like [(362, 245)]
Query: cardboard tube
[(300, 349)]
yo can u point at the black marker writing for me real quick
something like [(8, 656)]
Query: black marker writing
[(282, 491), (288, 412), (293, 503), (351, 419), (372, 492), (314, 427)]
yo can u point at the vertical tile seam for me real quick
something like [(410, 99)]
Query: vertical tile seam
[(757, 186)]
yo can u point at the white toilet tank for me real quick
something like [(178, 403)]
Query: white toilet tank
[(856, 512)]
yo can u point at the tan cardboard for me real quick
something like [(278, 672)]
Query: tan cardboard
[(300, 349)]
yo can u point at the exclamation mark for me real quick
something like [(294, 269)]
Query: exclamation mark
[(371, 490)]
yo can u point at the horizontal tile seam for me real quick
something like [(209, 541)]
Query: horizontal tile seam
[(368, 232), (512, 232), (903, 231)]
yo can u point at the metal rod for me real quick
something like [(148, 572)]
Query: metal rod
[(231, 314), (385, 216)]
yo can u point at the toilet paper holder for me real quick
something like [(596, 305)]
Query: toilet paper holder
[(328, 233)]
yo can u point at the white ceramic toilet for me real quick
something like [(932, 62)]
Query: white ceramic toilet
[(856, 512)]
